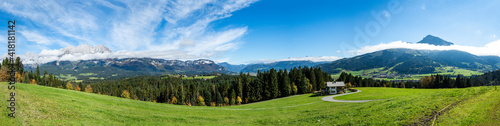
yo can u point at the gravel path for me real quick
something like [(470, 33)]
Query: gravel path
[(330, 98)]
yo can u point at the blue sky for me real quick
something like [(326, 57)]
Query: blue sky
[(248, 31)]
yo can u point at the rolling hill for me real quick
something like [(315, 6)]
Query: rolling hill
[(408, 61), (253, 68), (231, 67)]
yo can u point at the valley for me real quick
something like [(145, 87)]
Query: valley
[(387, 74)]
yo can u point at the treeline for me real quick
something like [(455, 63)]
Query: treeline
[(219, 91), (433, 81), (46, 79), (488, 78)]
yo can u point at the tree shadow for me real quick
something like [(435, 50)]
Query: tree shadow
[(315, 94)]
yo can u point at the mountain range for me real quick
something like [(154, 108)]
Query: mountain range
[(404, 61), (233, 68), (128, 67), (408, 61), (253, 68)]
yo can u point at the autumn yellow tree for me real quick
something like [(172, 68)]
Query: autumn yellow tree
[(174, 100), (4, 74), (226, 100), (426, 80), (88, 89), (69, 86), (238, 100), (200, 101), (77, 88), (33, 81), (19, 77), (348, 85), (125, 94)]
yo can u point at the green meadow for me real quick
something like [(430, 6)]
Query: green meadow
[(450, 71), (40, 105)]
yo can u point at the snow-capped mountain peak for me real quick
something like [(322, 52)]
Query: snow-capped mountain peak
[(83, 51), (86, 49)]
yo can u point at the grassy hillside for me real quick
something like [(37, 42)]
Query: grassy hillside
[(448, 71), (408, 61), (52, 106)]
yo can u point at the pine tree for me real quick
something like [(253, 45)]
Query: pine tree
[(274, 83), (312, 80), (286, 84), (37, 76), (220, 101), (319, 78), (458, 82), (248, 88), (19, 65)]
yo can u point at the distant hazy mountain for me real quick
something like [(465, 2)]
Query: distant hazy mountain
[(252, 68), (110, 68), (232, 68), (433, 40), (413, 61)]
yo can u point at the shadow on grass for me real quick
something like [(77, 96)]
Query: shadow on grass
[(315, 94)]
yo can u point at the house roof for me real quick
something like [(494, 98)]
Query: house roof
[(335, 84)]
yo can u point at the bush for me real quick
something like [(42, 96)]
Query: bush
[(69, 86), (294, 89), (77, 88), (33, 81), (348, 85), (353, 90), (200, 101), (238, 100), (88, 89), (174, 100), (226, 100), (309, 87), (232, 101), (125, 94)]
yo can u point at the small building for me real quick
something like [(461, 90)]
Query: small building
[(334, 87)]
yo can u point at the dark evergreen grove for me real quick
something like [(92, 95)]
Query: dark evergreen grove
[(219, 91), (433, 81)]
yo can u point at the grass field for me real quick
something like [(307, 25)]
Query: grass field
[(439, 70), (87, 74), (200, 77), (39, 105)]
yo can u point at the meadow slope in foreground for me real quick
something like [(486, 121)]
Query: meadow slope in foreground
[(52, 106)]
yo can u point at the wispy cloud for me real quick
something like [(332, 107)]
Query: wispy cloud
[(313, 59), (491, 48), (146, 28)]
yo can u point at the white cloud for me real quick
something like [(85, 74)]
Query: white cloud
[(386, 14), (492, 48), (46, 52), (35, 37), (136, 26), (40, 39), (86, 52), (479, 32), (313, 59)]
